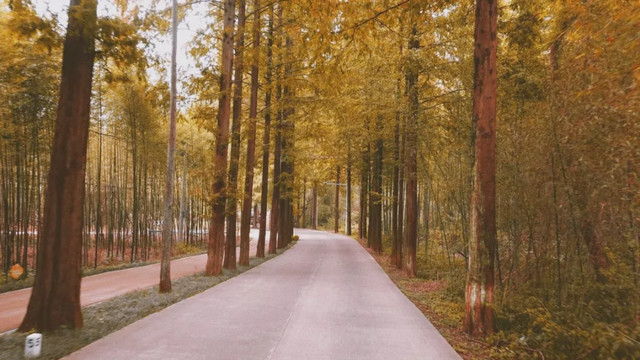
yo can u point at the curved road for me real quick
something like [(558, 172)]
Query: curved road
[(325, 298)]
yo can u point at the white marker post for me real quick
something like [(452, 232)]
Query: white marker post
[(32, 346)]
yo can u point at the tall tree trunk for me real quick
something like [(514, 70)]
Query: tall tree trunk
[(375, 226), (478, 319), (401, 196), (264, 197), (336, 204), (411, 128), (275, 196), (245, 222), (364, 189), (349, 190), (98, 225), (314, 206), (396, 173), (234, 164), (285, 231), (167, 225), (216, 231), (183, 194), (426, 219), (55, 299)]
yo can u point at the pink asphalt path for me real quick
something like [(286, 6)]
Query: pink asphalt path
[(325, 298), (101, 287)]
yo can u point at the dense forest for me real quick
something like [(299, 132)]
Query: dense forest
[(493, 145)]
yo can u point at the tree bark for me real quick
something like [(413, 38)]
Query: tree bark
[(183, 194), (275, 196), (349, 190), (478, 319), (245, 221), (234, 163), (55, 299), (411, 128), (396, 177), (364, 190), (167, 225), (314, 206), (401, 196), (264, 197), (336, 212), (285, 230), (215, 250), (375, 216)]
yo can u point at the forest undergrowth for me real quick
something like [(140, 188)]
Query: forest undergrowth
[(598, 325)]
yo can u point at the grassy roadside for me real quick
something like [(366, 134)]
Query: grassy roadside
[(109, 316), (433, 300), (7, 284)]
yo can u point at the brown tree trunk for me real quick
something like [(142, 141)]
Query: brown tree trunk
[(303, 223), (245, 221), (55, 300), (167, 226), (396, 176), (277, 152), (264, 196), (349, 191), (234, 163), (336, 203), (411, 197), (285, 230), (478, 319), (216, 231), (401, 196), (425, 216), (375, 216), (314, 206), (275, 193), (364, 192)]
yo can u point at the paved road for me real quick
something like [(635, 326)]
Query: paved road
[(101, 287), (325, 298)]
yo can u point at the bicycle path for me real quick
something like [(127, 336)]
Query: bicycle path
[(325, 298), (104, 286)]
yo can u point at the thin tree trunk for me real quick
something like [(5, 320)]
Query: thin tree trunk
[(411, 198), (303, 223), (375, 226), (245, 222), (336, 213), (99, 180), (167, 225), (183, 192), (264, 198), (401, 197), (55, 299), (216, 231), (426, 220), (275, 196), (478, 319), (232, 186), (396, 173), (314, 206), (364, 189), (285, 230), (349, 190)]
